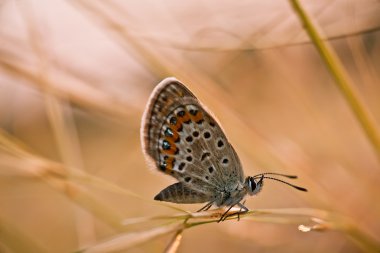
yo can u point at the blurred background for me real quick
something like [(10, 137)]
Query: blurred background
[(75, 77)]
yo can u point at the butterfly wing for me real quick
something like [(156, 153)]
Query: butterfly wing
[(183, 140)]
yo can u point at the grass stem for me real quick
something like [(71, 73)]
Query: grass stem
[(341, 78)]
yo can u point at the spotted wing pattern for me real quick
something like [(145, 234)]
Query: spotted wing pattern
[(183, 140)]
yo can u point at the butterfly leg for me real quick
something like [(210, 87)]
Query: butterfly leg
[(206, 207), (225, 215), (243, 210)]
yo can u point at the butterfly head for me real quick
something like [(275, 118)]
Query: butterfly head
[(254, 184)]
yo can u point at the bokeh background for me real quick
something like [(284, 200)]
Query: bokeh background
[(75, 79)]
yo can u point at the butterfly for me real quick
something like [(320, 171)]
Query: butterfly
[(182, 139)]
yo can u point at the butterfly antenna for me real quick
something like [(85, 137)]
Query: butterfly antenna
[(277, 174), (292, 185)]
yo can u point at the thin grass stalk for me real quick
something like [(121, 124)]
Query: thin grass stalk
[(145, 55), (71, 89), (174, 243), (312, 219), (61, 122), (56, 175), (308, 220), (64, 130), (341, 78), (129, 240)]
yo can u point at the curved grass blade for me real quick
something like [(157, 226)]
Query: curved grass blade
[(174, 243), (341, 77), (128, 240)]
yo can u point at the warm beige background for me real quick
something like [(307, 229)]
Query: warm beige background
[(75, 77)]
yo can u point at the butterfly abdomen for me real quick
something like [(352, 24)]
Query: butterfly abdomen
[(179, 193)]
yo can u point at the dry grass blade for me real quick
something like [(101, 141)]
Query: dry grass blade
[(13, 145), (174, 243), (56, 176), (71, 89), (247, 46), (150, 59), (65, 180), (66, 135), (128, 240), (342, 79), (307, 220), (148, 219)]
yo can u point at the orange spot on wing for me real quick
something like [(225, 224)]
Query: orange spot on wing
[(197, 117), (173, 148), (170, 164), (178, 126), (175, 136), (180, 120), (185, 117)]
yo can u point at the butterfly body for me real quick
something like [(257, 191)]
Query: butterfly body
[(182, 139)]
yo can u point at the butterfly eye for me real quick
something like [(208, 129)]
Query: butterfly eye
[(252, 184)]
